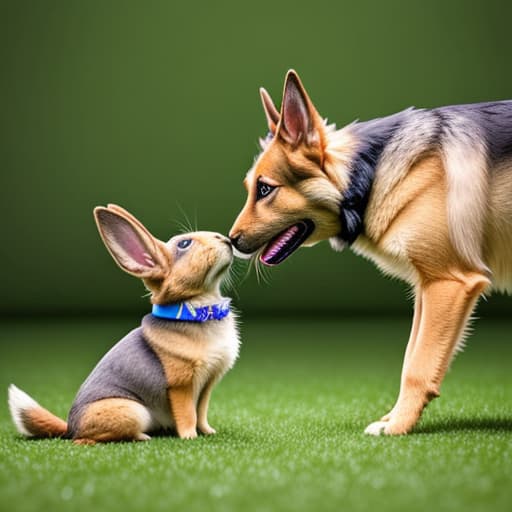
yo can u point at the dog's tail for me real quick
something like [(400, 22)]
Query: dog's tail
[(31, 419)]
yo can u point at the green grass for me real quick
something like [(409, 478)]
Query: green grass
[(290, 418)]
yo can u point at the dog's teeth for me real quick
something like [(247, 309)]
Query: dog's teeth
[(282, 242)]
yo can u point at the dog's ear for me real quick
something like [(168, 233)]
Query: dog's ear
[(271, 111), (299, 120), (131, 245)]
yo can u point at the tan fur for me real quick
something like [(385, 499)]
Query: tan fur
[(265, 220), (416, 228), (193, 361), (498, 229), (42, 423), (184, 410), (194, 355), (446, 306), (202, 407), (466, 169), (113, 419), (411, 227), (169, 279)]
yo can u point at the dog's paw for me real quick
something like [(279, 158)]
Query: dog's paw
[(188, 434), (376, 428), (207, 430), (387, 428), (143, 437), (388, 416)]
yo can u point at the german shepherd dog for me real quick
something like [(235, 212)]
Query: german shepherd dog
[(425, 193)]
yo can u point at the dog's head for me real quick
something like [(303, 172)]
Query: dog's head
[(293, 192)]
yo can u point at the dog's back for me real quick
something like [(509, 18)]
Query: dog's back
[(495, 120), (475, 145)]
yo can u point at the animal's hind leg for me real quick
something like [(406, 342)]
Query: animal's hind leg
[(113, 419), (446, 307)]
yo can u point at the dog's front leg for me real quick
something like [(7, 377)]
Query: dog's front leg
[(184, 410), (445, 308), (412, 339), (202, 409)]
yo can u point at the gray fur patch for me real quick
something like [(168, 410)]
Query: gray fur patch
[(130, 370), (494, 120)]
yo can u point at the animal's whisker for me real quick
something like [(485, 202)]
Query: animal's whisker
[(186, 225)]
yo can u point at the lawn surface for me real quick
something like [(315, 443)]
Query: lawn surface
[(290, 420)]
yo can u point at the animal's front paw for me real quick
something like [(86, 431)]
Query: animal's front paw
[(206, 429), (188, 434), (376, 428), (391, 427), (387, 416)]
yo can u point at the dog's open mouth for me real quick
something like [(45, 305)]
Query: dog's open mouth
[(286, 242)]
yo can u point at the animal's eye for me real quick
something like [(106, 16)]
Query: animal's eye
[(263, 190), (184, 244)]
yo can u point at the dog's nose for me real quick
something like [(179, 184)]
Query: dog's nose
[(235, 239)]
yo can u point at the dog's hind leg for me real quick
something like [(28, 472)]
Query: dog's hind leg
[(113, 419), (446, 306)]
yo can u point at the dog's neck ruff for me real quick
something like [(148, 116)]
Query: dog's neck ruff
[(185, 312), (372, 136)]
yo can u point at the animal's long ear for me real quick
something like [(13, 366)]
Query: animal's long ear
[(299, 120), (131, 245), (271, 111), (127, 215)]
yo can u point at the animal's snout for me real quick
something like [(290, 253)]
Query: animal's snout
[(242, 248), (234, 239), (240, 244), (223, 239)]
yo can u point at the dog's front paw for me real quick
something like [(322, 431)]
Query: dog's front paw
[(188, 434), (376, 428), (389, 428), (206, 429)]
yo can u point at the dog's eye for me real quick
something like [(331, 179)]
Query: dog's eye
[(184, 244), (263, 190)]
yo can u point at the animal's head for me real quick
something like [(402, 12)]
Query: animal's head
[(293, 193), (187, 266)]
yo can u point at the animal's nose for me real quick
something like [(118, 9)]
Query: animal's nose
[(235, 239), (223, 238)]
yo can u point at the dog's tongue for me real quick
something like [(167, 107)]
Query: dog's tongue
[(279, 245)]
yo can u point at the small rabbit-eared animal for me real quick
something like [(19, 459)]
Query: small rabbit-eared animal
[(159, 376)]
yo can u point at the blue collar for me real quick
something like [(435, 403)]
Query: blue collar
[(185, 312)]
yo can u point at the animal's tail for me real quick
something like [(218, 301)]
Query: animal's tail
[(31, 419)]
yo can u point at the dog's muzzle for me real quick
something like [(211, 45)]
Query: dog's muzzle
[(240, 248)]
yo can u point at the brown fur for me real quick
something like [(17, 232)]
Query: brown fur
[(169, 279), (184, 410), (42, 423), (194, 355), (192, 358), (192, 367), (406, 233), (112, 419)]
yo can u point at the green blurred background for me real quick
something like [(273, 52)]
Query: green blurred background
[(155, 106)]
